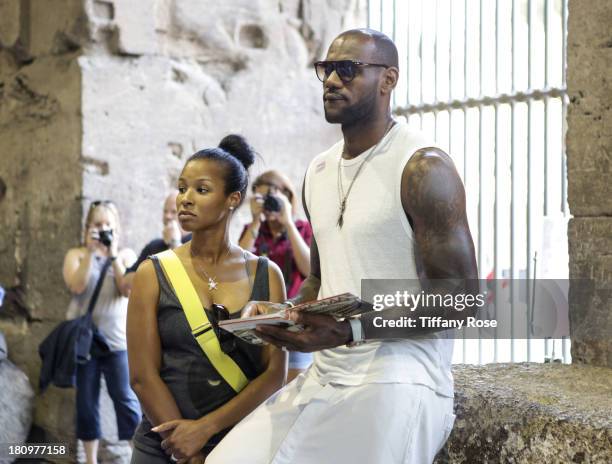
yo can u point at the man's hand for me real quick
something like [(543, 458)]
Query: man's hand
[(187, 437), (255, 308), (320, 332)]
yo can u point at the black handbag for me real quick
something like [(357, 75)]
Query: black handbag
[(72, 342)]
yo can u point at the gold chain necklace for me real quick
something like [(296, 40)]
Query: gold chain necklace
[(342, 196), (212, 283)]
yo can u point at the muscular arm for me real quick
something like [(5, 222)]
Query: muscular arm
[(144, 349), (433, 199)]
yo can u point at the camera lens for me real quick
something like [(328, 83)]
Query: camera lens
[(271, 204), (106, 237)]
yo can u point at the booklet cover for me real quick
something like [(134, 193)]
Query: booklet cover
[(339, 306)]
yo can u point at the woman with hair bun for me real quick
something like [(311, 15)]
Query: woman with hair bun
[(189, 402)]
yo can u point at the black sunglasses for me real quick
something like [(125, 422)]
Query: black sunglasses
[(227, 340), (346, 69)]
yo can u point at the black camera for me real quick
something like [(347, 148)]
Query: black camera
[(106, 237), (271, 204)]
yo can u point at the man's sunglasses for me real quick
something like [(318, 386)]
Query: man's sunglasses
[(346, 69)]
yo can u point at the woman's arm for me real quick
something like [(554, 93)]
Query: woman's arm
[(300, 249), (124, 260), (189, 436), (247, 240), (77, 268), (144, 348)]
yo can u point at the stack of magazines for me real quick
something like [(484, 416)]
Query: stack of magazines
[(339, 306)]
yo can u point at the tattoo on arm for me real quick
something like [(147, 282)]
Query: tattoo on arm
[(433, 199)]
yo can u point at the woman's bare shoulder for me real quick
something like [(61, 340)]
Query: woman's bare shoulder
[(251, 260)]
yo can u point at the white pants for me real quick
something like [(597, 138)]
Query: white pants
[(308, 423)]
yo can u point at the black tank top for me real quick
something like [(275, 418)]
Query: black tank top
[(194, 383)]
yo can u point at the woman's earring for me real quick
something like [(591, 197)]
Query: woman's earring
[(231, 208)]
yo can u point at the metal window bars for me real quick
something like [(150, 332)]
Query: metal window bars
[(487, 80)]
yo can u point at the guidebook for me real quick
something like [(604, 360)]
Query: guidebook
[(339, 306)]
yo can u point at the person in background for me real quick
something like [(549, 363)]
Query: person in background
[(82, 268), (189, 405), (172, 237), (274, 232)]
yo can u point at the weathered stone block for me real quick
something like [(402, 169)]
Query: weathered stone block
[(585, 186), (590, 245), (55, 26), (589, 155), (16, 404), (40, 141), (589, 137), (10, 14), (135, 22), (526, 413), (191, 109), (587, 19)]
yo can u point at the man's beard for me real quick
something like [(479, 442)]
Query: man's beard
[(357, 113)]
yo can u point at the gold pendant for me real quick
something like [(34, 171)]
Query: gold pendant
[(212, 285)]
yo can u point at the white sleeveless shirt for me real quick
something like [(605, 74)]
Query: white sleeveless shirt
[(375, 242)]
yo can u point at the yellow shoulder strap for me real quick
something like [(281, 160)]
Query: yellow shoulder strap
[(201, 328)]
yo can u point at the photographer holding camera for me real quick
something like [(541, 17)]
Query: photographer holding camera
[(83, 267), (275, 233)]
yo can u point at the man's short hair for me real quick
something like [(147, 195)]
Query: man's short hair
[(386, 51)]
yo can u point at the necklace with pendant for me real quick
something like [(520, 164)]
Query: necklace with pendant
[(212, 282), (342, 196)]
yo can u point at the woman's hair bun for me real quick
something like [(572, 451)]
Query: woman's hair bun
[(237, 146)]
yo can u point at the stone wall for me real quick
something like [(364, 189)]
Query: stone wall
[(40, 146), (527, 413), (161, 82), (589, 155), (106, 99)]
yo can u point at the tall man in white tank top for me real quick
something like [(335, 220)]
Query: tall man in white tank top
[(384, 203)]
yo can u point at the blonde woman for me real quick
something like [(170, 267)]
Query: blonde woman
[(82, 268)]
